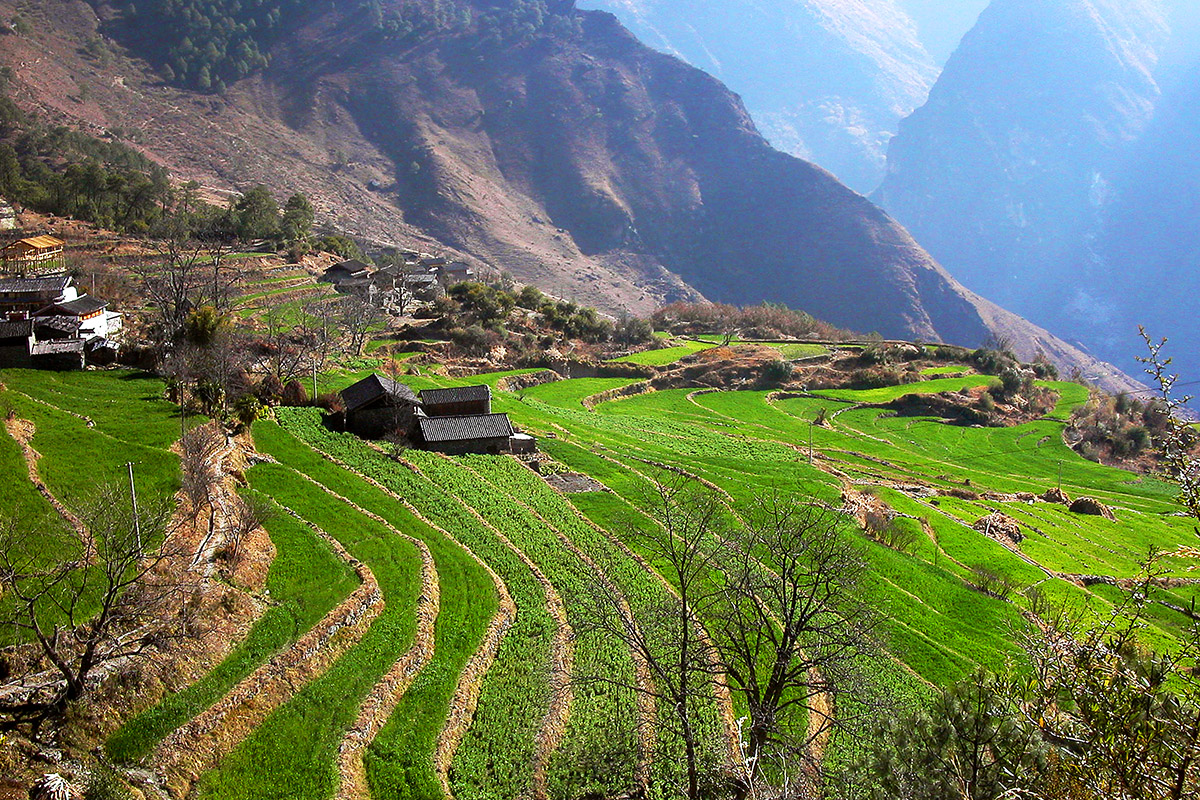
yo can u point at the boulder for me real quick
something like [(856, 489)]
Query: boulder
[(1092, 507), (1056, 495), (1000, 527)]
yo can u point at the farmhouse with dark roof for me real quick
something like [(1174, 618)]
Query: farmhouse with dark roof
[(476, 433), (377, 406), (457, 401)]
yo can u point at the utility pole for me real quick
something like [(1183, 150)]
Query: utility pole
[(1060, 475), (810, 427), (137, 525), (314, 366)]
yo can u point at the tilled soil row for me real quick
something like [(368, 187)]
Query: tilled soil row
[(562, 659), (378, 706), (195, 747)]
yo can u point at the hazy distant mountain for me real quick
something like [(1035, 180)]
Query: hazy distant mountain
[(827, 80), (1049, 169)]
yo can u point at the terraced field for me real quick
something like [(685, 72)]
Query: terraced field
[(425, 614)]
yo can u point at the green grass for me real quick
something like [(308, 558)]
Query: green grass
[(571, 393), (664, 356), (953, 369), (294, 752), (306, 580)]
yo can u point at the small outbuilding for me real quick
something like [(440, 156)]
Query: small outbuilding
[(377, 406), (476, 433), (34, 252), (16, 337), (457, 401)]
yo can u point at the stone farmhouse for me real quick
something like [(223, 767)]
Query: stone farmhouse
[(47, 323), (452, 421)]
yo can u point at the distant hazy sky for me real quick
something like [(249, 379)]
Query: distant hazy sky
[(942, 23)]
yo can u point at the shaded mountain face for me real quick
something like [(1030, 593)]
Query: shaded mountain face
[(568, 154), (1040, 170), (826, 80)]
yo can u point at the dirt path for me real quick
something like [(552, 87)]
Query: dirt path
[(562, 659), (195, 747), (22, 431)]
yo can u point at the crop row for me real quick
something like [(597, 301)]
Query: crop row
[(399, 762), (645, 595), (306, 580), (496, 756), (602, 715)]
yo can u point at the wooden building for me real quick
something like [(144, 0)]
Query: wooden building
[(33, 253), (477, 433), (457, 401), (378, 406)]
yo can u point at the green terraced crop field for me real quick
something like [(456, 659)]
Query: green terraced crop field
[(488, 710)]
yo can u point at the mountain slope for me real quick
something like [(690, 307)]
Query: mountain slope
[(826, 80), (581, 161), (1032, 149)]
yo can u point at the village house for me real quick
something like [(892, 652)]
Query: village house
[(20, 297), (56, 326), (90, 314), (457, 401), (34, 254), (454, 272), (346, 272), (477, 433), (377, 406)]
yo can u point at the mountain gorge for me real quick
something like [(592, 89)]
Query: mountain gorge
[(541, 140), (1046, 169), (824, 80)]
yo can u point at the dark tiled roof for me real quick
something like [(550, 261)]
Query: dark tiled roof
[(456, 394), (457, 429), (57, 324), (352, 265), (373, 387), (20, 328), (75, 308), (50, 283)]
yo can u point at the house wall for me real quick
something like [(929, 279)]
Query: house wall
[(376, 422), (464, 409), (482, 446), (14, 355)]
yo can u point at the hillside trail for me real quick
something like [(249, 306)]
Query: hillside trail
[(470, 682), (196, 746), (647, 734), (562, 658), (22, 431), (379, 704)]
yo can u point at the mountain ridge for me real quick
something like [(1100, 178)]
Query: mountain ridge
[(595, 167)]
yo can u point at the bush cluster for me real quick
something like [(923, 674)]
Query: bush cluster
[(1120, 426), (766, 321)]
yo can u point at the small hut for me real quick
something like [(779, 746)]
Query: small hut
[(377, 406)]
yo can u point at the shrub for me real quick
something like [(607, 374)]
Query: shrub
[(778, 371), (294, 394)]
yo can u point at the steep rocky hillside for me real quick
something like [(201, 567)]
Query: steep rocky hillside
[(826, 80), (1047, 171), (582, 161)]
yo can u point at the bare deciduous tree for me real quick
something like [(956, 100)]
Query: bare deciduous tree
[(358, 318), (114, 601), (790, 627)]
